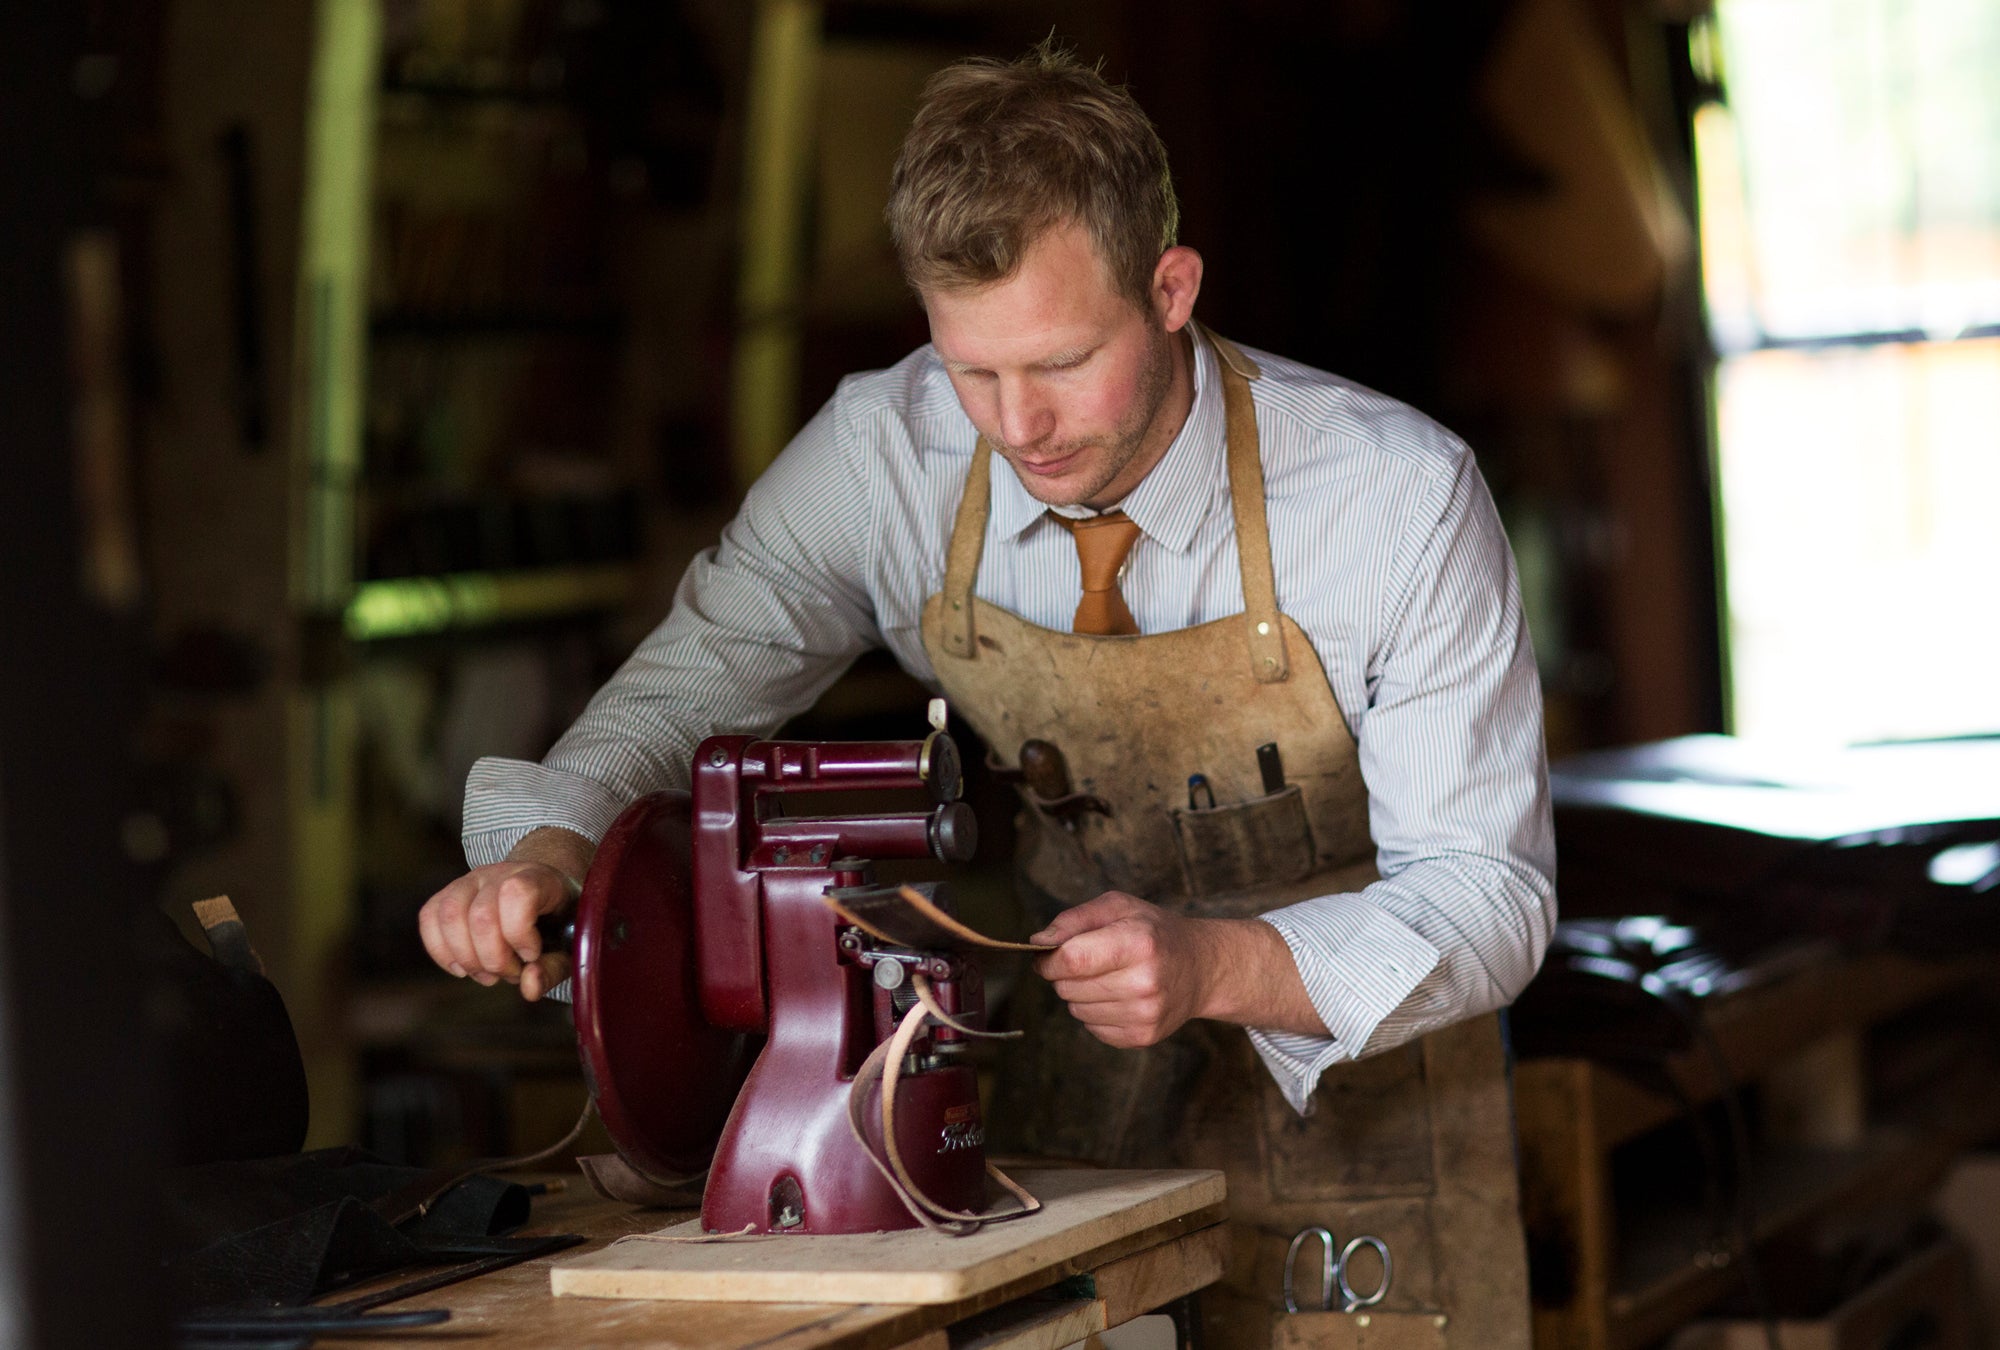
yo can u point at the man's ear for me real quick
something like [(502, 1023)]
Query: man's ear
[(1176, 283)]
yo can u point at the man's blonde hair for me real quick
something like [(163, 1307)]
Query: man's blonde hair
[(1001, 151)]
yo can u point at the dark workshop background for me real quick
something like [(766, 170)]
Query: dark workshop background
[(376, 366)]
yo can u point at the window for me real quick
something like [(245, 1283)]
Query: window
[(1849, 174)]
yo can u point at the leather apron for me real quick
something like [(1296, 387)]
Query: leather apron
[(1134, 717)]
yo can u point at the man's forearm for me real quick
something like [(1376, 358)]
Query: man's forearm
[(1251, 979)]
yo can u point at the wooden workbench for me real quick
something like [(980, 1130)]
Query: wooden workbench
[(1065, 1302)]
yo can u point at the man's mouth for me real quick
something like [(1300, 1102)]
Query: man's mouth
[(1049, 466)]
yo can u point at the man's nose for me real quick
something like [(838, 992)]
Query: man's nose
[(1025, 416)]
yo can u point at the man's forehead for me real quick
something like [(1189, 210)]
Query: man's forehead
[(1058, 302)]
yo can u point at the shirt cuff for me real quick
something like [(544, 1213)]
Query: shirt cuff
[(507, 798), (1359, 963)]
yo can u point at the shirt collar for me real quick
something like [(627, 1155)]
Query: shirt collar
[(1171, 502)]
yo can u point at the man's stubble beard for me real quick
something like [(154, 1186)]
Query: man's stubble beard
[(1155, 382)]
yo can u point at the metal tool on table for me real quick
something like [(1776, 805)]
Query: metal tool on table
[(247, 1327), (703, 927), (1334, 1271)]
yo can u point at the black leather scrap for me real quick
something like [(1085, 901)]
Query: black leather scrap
[(278, 1232)]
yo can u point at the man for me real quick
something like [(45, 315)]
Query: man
[(1092, 523)]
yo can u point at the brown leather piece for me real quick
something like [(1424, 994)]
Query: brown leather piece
[(615, 1179)]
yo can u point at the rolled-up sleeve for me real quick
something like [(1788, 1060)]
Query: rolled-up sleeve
[(1452, 753), (761, 624)]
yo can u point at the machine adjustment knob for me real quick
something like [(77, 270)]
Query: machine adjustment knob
[(954, 832), (939, 766)]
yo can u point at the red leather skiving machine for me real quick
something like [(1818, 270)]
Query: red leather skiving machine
[(703, 927)]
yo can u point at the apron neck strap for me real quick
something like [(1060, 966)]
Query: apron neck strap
[(1262, 630), (1264, 633), (961, 559)]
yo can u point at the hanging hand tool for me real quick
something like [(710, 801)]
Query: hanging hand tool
[(1271, 767), (1045, 773)]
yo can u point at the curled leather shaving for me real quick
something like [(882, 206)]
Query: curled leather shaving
[(881, 1071)]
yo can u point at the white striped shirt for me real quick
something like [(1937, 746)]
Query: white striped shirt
[(1387, 550)]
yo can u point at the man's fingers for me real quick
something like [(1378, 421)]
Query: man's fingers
[(1081, 958), (1099, 952), (1131, 1012), (1107, 908), (442, 924), (543, 974), (495, 954), (1118, 986), (433, 935), (457, 937), (1123, 1025), (1060, 930), (1122, 1037), (521, 899)]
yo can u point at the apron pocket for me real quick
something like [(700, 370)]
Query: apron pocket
[(1053, 858), (1253, 843)]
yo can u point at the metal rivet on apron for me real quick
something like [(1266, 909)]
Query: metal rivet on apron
[(1271, 661), (957, 605), (1263, 629), (1361, 1321)]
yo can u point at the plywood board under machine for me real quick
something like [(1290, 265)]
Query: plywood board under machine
[(1083, 1210)]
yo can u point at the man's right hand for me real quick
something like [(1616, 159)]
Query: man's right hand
[(482, 926)]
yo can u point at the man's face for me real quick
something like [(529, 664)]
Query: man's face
[(1061, 372)]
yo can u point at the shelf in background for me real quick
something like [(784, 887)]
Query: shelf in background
[(1615, 1271), (399, 607), (1756, 1029), (1668, 1276)]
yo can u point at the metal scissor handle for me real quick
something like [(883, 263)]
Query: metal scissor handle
[(1349, 1300), (1333, 1271), (1326, 1268)]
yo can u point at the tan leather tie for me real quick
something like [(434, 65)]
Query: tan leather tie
[(1102, 543)]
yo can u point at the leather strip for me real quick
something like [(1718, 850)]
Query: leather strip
[(922, 903), (937, 928), (613, 1176), (747, 1233), (961, 562), (416, 1197), (922, 986), (883, 1069), (1266, 636)]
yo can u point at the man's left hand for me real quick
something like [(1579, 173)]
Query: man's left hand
[(1133, 973)]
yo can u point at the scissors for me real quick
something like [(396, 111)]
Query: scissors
[(1333, 1271)]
